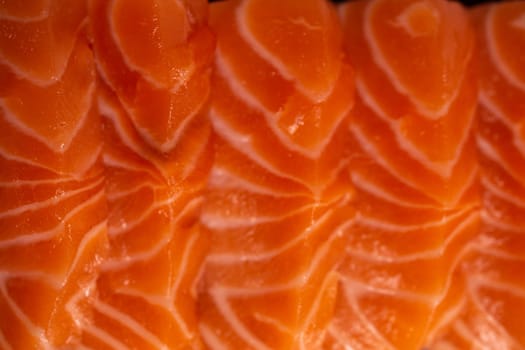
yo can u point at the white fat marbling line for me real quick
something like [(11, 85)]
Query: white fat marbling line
[(385, 163), (494, 52), (197, 278), (350, 292), (43, 182), (129, 323), (175, 286), (496, 222), (112, 113), (403, 20), (132, 190), (95, 156), (54, 281), (280, 326), (105, 337), (117, 118), (35, 331), (174, 139), (357, 288), (191, 167), (492, 337), (35, 237), (320, 253), (242, 291), (4, 344), (62, 196), (119, 163), (183, 77), (120, 263), (443, 168), (495, 111), (519, 22), (471, 220), (123, 262), (499, 253), (211, 339), (125, 226), (92, 235), (492, 188), (446, 319), (458, 257), (383, 193), (84, 292), (488, 150), (78, 175), (341, 12), (218, 221), (83, 347), (59, 148), (222, 178), (504, 287), (234, 258), (21, 73), (339, 337), (220, 297), (392, 227), (382, 62), (112, 161), (248, 36), (374, 257), (12, 157), (451, 312), (166, 301), (241, 92), (222, 293), (243, 144), (463, 331), (315, 307)]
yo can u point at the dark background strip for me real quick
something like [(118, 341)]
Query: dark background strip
[(465, 2)]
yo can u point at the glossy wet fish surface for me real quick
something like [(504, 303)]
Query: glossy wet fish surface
[(262, 174)]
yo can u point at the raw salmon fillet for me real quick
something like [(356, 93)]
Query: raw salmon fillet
[(277, 199), (493, 309), (52, 204), (414, 170), (154, 59)]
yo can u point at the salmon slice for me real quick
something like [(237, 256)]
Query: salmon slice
[(28, 29), (493, 308), (156, 67), (154, 61), (278, 195), (53, 211), (414, 170)]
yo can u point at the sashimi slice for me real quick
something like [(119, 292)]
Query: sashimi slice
[(37, 37), (155, 62), (277, 202), (414, 170), (153, 58), (491, 316), (53, 213)]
